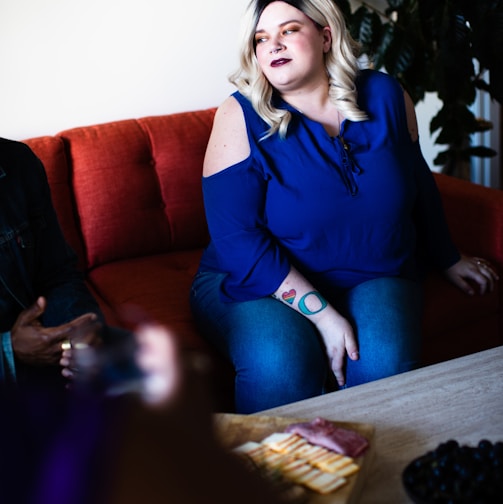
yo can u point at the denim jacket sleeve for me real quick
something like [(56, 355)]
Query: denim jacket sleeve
[(7, 365)]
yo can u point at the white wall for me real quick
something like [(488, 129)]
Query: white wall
[(66, 63), (425, 111)]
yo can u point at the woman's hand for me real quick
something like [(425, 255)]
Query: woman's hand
[(470, 270), (339, 339), (337, 333)]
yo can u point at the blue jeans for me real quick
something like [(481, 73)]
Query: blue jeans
[(278, 354)]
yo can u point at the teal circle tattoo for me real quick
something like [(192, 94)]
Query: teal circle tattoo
[(302, 303)]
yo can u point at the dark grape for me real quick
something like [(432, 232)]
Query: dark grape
[(485, 445), (457, 474)]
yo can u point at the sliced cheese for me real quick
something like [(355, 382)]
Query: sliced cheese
[(319, 469)]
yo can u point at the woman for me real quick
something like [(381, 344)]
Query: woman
[(322, 214)]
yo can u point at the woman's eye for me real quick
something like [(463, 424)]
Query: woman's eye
[(260, 40), (290, 30)]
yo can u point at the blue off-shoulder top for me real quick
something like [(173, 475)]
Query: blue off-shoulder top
[(342, 210)]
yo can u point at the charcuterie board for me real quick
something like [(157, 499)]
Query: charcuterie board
[(235, 430)]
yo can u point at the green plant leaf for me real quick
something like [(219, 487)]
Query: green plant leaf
[(396, 4), (438, 120), (440, 46), (345, 7), (482, 84), (456, 122), (387, 36), (486, 19), (443, 157), (482, 125), (479, 151), (366, 29), (496, 83), (399, 52)]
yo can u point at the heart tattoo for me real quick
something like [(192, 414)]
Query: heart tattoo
[(289, 296)]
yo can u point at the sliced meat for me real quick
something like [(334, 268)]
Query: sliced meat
[(324, 433)]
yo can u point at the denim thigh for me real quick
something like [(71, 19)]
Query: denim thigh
[(386, 314), (277, 353)]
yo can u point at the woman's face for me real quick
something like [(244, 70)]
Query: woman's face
[(290, 48)]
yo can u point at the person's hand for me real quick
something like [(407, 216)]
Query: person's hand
[(339, 338), (472, 270), (37, 345), (169, 375), (159, 359), (79, 348), (83, 340)]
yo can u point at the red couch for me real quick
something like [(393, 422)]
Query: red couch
[(128, 195)]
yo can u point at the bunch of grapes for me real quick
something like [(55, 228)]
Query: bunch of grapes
[(455, 474)]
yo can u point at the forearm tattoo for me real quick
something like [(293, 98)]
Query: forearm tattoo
[(316, 301)]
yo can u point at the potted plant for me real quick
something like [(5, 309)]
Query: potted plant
[(450, 47)]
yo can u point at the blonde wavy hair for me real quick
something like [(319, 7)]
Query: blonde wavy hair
[(341, 63)]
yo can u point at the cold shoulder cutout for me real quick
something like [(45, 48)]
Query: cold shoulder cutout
[(228, 144)]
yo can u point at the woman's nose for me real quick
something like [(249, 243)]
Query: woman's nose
[(276, 47)]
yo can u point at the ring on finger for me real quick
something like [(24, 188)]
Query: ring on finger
[(66, 345)]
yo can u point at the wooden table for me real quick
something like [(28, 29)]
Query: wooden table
[(413, 412)]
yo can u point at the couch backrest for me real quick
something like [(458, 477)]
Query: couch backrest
[(51, 151), (129, 188)]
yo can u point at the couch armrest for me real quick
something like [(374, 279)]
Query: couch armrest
[(456, 324), (475, 217)]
